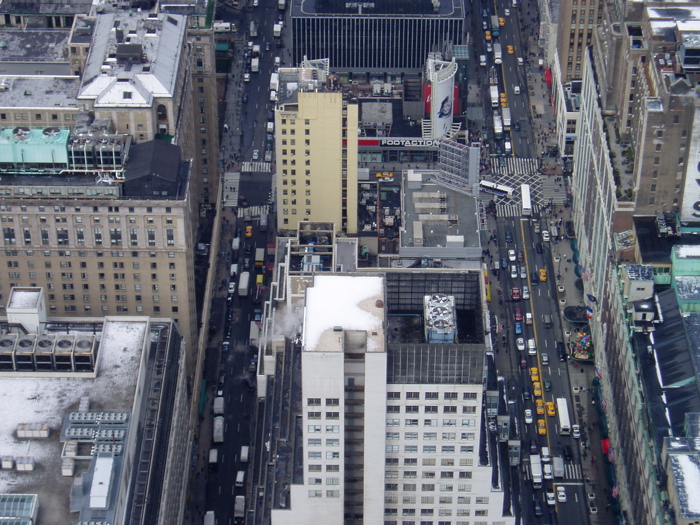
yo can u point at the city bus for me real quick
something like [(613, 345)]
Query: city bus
[(496, 189), (527, 202), (563, 414)]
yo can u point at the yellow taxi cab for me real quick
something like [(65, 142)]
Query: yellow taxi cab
[(543, 274), (501, 21), (537, 389), (539, 407), (511, 50), (550, 409), (248, 231), (541, 427), (534, 374), (487, 35)]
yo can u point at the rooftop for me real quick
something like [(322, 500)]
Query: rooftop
[(685, 469), (46, 7), (437, 222), (26, 51), (379, 9), (39, 92), (134, 58), (41, 398), (338, 303)]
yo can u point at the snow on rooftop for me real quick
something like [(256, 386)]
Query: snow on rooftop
[(345, 301), (690, 481), (49, 399), (23, 299), (686, 251)]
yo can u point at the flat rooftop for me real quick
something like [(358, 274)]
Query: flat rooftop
[(379, 9), (337, 303), (50, 92), (44, 399), (447, 220), (34, 45)]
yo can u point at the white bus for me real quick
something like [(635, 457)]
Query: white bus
[(527, 202), (496, 189), (564, 423)]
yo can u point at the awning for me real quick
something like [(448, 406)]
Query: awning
[(605, 443), (548, 76)]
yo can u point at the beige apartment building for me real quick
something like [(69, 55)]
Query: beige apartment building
[(577, 20), (316, 146), (100, 248)]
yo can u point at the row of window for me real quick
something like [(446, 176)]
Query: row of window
[(101, 276), (428, 474), (316, 401), (430, 422), (81, 253), (95, 209), (433, 395), (67, 265), (122, 309), (317, 415), (431, 462), (443, 522), (414, 409), (431, 449), (430, 500), (62, 237), (431, 512), (78, 219)]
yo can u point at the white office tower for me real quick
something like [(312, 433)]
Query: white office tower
[(392, 424)]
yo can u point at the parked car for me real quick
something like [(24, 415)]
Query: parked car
[(518, 314), (520, 343), (518, 327)]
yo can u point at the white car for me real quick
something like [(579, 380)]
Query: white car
[(528, 418), (520, 343), (545, 236), (246, 77), (523, 272), (561, 494), (256, 154), (516, 90), (489, 47), (511, 255), (507, 12), (551, 499), (232, 287), (526, 292), (576, 431), (528, 318)]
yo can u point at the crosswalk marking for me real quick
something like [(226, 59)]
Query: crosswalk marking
[(571, 471), (515, 166), (253, 211), (256, 167)]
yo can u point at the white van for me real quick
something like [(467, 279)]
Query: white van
[(516, 90), (278, 61), (482, 60), (531, 347), (244, 454), (547, 471), (545, 455), (240, 478), (234, 270)]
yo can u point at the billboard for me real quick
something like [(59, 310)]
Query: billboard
[(442, 95)]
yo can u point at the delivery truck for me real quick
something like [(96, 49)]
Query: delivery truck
[(253, 29), (558, 467), (495, 101), (209, 518), (281, 4), (506, 119), (495, 26), (497, 53), (256, 51), (274, 81), (243, 284), (277, 30), (259, 258), (497, 126), (255, 65), (263, 222), (213, 460), (218, 406), (245, 451), (536, 469), (219, 429), (239, 508)]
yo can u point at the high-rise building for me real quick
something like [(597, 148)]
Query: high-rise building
[(96, 427), (391, 407), (376, 37), (316, 152), (120, 245), (575, 26)]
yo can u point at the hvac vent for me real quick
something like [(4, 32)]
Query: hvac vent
[(52, 132), (20, 133), (44, 343), (7, 342), (64, 344), (26, 343)]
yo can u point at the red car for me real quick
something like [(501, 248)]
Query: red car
[(521, 256), (518, 314), (515, 293), (523, 361)]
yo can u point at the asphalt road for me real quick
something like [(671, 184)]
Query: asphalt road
[(543, 300)]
